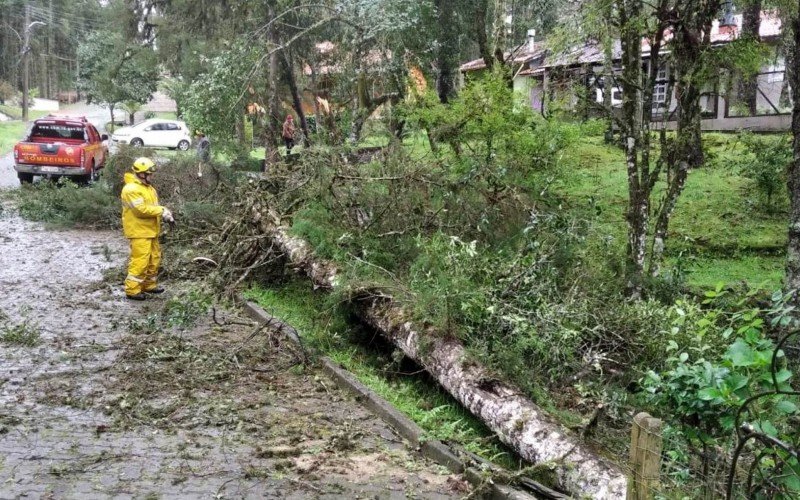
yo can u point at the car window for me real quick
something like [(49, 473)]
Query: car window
[(172, 126), (155, 126)]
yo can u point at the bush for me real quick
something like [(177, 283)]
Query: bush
[(65, 204), (7, 91), (765, 162), (188, 196)]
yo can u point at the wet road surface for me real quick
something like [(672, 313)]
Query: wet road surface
[(98, 401)]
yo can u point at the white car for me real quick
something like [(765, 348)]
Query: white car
[(155, 133)]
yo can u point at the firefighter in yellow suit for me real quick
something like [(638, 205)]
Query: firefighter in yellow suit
[(141, 223)]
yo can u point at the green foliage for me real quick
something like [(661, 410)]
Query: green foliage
[(7, 91), (193, 200), (728, 359), (744, 56), (495, 140), (22, 334), (10, 133), (185, 309), (765, 162), (213, 102), (112, 71), (66, 204)]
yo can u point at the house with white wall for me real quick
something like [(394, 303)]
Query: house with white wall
[(552, 82)]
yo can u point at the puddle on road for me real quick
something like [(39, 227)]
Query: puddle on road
[(91, 406)]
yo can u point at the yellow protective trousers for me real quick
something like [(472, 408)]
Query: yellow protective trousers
[(143, 266)]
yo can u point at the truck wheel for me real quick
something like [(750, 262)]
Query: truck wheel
[(90, 178), (137, 142), (183, 145), (24, 178)]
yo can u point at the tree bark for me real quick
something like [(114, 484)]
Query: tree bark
[(690, 43), (499, 42), (516, 420), (446, 52), (751, 24), (297, 103), (479, 25), (272, 129), (638, 195), (793, 250)]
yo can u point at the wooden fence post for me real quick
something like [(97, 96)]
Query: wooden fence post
[(645, 457)]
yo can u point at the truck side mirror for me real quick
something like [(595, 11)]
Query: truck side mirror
[(104, 137)]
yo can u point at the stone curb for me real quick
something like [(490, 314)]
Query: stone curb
[(407, 428)]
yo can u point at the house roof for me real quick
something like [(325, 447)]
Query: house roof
[(592, 52), (520, 55), (329, 64)]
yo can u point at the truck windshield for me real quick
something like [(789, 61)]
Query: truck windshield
[(56, 131)]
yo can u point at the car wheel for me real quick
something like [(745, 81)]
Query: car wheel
[(183, 145), (24, 178), (137, 142)]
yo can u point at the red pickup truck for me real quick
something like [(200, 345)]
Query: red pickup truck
[(61, 146)]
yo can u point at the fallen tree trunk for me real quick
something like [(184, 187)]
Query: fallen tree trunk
[(514, 418)]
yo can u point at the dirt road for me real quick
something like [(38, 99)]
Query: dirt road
[(100, 397)]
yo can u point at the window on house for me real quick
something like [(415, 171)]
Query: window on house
[(659, 95), (660, 88), (775, 73)]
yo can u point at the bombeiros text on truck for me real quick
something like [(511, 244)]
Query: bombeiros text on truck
[(61, 146)]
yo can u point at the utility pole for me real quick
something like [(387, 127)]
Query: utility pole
[(26, 48)]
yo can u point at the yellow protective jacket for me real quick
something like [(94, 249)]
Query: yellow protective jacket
[(141, 213)]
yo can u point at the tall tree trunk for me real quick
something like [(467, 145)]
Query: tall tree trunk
[(111, 110), (691, 43), (317, 112), (608, 73), (638, 196), (297, 103), (516, 420), (272, 129), (479, 25), (446, 52), (239, 125), (500, 26), (793, 250), (748, 84), (362, 105)]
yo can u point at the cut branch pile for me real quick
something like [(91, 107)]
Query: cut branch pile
[(517, 421)]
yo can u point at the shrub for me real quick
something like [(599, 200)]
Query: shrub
[(66, 204), (188, 196), (765, 163), (7, 91)]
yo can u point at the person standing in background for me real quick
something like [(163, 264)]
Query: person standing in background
[(203, 152), (288, 133)]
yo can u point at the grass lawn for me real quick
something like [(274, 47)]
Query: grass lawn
[(719, 228), (16, 112), (12, 131)]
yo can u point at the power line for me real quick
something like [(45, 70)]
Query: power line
[(58, 17)]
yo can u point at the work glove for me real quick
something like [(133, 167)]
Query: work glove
[(166, 215)]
